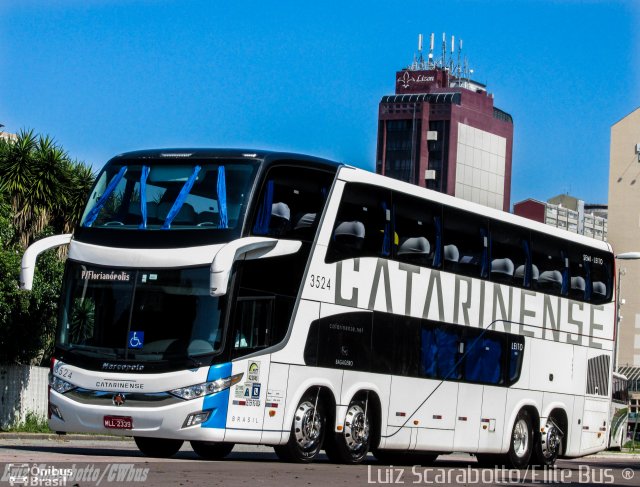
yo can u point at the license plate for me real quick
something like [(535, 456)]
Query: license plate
[(118, 422)]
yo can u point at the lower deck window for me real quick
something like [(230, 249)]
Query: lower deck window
[(411, 347)]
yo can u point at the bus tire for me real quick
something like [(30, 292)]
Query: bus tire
[(307, 432), (211, 451), (521, 442), (548, 446), (158, 447), (352, 444)]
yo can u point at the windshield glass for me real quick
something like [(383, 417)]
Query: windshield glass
[(161, 196), (143, 315)]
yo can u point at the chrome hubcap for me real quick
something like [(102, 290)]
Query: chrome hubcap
[(520, 438), (550, 441), (356, 428), (307, 426)]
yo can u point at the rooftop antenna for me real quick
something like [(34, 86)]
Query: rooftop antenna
[(420, 59), (459, 67), (443, 61), (453, 48), (431, 65)]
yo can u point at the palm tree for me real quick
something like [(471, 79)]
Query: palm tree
[(42, 184), (81, 181)]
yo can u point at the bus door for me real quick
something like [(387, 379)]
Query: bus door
[(251, 329)]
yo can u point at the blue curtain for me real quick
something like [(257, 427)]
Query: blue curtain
[(483, 361), (386, 238), (182, 196), (143, 196), (587, 281), (484, 262), (437, 256), (439, 353), (566, 278), (222, 198), (261, 227), (528, 269), (93, 214)]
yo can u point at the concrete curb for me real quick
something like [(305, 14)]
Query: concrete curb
[(56, 437)]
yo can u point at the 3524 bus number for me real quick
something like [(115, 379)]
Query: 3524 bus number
[(319, 282)]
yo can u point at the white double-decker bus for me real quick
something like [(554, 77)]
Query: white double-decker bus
[(222, 297)]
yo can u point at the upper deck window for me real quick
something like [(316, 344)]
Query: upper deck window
[(160, 196)]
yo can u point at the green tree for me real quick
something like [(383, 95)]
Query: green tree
[(42, 192), (43, 185)]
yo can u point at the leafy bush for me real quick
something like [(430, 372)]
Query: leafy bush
[(42, 193)]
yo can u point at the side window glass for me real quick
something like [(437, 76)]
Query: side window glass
[(418, 229), (252, 324), (516, 354), (466, 243), (363, 224), (550, 260), (600, 265), (484, 358), (580, 275), (291, 202), (396, 344), (440, 352), (510, 256)]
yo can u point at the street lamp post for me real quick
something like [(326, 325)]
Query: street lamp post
[(619, 302)]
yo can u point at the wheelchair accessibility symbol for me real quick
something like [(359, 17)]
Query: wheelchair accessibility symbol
[(136, 339)]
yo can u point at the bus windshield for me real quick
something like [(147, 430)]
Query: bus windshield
[(158, 195), (143, 315)]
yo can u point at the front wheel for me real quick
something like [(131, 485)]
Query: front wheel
[(307, 432), (521, 444), (352, 444), (158, 447), (211, 451)]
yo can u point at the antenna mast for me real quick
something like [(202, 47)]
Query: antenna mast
[(431, 64)]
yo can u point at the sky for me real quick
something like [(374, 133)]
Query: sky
[(107, 76)]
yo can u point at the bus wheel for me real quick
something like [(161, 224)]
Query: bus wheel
[(521, 444), (352, 444), (548, 445), (211, 451), (158, 447), (307, 432)]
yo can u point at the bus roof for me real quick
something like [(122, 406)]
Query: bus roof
[(189, 154)]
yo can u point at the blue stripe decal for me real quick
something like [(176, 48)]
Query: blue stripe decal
[(219, 402)]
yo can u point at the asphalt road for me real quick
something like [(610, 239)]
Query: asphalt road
[(82, 462)]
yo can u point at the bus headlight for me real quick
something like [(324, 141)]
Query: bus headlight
[(59, 385), (206, 388)]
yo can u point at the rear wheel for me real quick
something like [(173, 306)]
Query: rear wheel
[(352, 444), (521, 444), (548, 445), (307, 432), (158, 447), (211, 451)]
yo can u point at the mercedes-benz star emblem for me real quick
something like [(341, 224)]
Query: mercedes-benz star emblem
[(119, 399)]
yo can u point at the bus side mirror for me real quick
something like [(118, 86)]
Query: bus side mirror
[(28, 265), (247, 248)]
